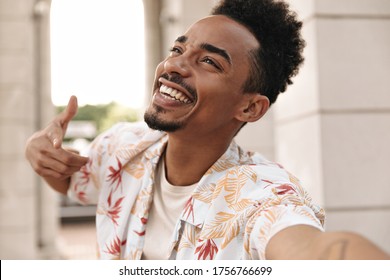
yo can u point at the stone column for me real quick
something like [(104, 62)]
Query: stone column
[(152, 9), (27, 210), (333, 124), (47, 206)]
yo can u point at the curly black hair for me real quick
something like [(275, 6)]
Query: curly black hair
[(277, 29)]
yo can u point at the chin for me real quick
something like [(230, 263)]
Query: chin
[(153, 120)]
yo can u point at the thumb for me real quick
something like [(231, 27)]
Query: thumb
[(58, 132), (70, 111)]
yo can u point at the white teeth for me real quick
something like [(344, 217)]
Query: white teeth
[(175, 94)]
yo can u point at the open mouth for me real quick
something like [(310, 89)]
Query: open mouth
[(174, 94)]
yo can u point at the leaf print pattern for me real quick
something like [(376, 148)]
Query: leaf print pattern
[(248, 230), (78, 190), (206, 250), (269, 218), (142, 233), (304, 211), (140, 207), (241, 205), (224, 226), (85, 173), (115, 247), (115, 174), (133, 150), (284, 189), (204, 193), (82, 196), (219, 226), (188, 238), (189, 208), (294, 180), (135, 168), (221, 165), (113, 209), (143, 222), (236, 205), (233, 183), (81, 185)]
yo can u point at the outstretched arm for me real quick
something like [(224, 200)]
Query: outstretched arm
[(47, 157), (306, 242)]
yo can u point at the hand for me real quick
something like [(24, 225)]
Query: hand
[(44, 148)]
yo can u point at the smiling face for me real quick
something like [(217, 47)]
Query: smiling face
[(199, 86)]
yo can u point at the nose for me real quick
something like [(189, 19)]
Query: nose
[(177, 65)]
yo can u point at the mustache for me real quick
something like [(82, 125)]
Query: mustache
[(177, 79)]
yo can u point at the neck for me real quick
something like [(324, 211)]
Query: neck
[(186, 161)]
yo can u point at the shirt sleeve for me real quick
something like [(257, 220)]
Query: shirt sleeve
[(280, 212), (85, 184)]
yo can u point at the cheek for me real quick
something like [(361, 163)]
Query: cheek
[(222, 105), (223, 95), (159, 69)]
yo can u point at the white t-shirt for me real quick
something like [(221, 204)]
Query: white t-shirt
[(168, 203)]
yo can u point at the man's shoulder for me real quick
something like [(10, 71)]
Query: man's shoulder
[(257, 161), (236, 160)]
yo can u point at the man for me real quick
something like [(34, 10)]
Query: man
[(182, 189)]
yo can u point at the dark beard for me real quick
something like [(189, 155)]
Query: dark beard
[(154, 122)]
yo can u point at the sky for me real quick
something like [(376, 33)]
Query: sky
[(97, 51)]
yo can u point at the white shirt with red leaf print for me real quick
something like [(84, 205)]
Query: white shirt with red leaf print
[(237, 206)]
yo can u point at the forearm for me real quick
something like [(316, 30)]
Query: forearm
[(306, 242), (345, 245)]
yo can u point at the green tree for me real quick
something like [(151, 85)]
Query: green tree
[(105, 115)]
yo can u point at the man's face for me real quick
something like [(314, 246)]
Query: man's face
[(199, 86)]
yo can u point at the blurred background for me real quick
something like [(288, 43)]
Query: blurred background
[(331, 128)]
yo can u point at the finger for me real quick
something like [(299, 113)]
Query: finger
[(49, 168), (70, 111), (50, 174), (69, 158), (59, 168), (55, 133), (43, 151), (60, 124), (47, 165)]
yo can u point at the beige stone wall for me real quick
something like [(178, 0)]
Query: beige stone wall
[(27, 210), (332, 126), (153, 43)]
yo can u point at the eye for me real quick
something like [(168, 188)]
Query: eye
[(175, 50), (210, 61)]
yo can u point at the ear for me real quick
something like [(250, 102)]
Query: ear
[(253, 107)]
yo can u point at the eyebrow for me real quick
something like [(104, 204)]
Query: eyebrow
[(181, 39), (216, 50), (209, 48)]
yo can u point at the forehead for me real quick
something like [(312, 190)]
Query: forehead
[(223, 33)]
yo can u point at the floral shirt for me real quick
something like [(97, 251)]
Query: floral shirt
[(237, 206)]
